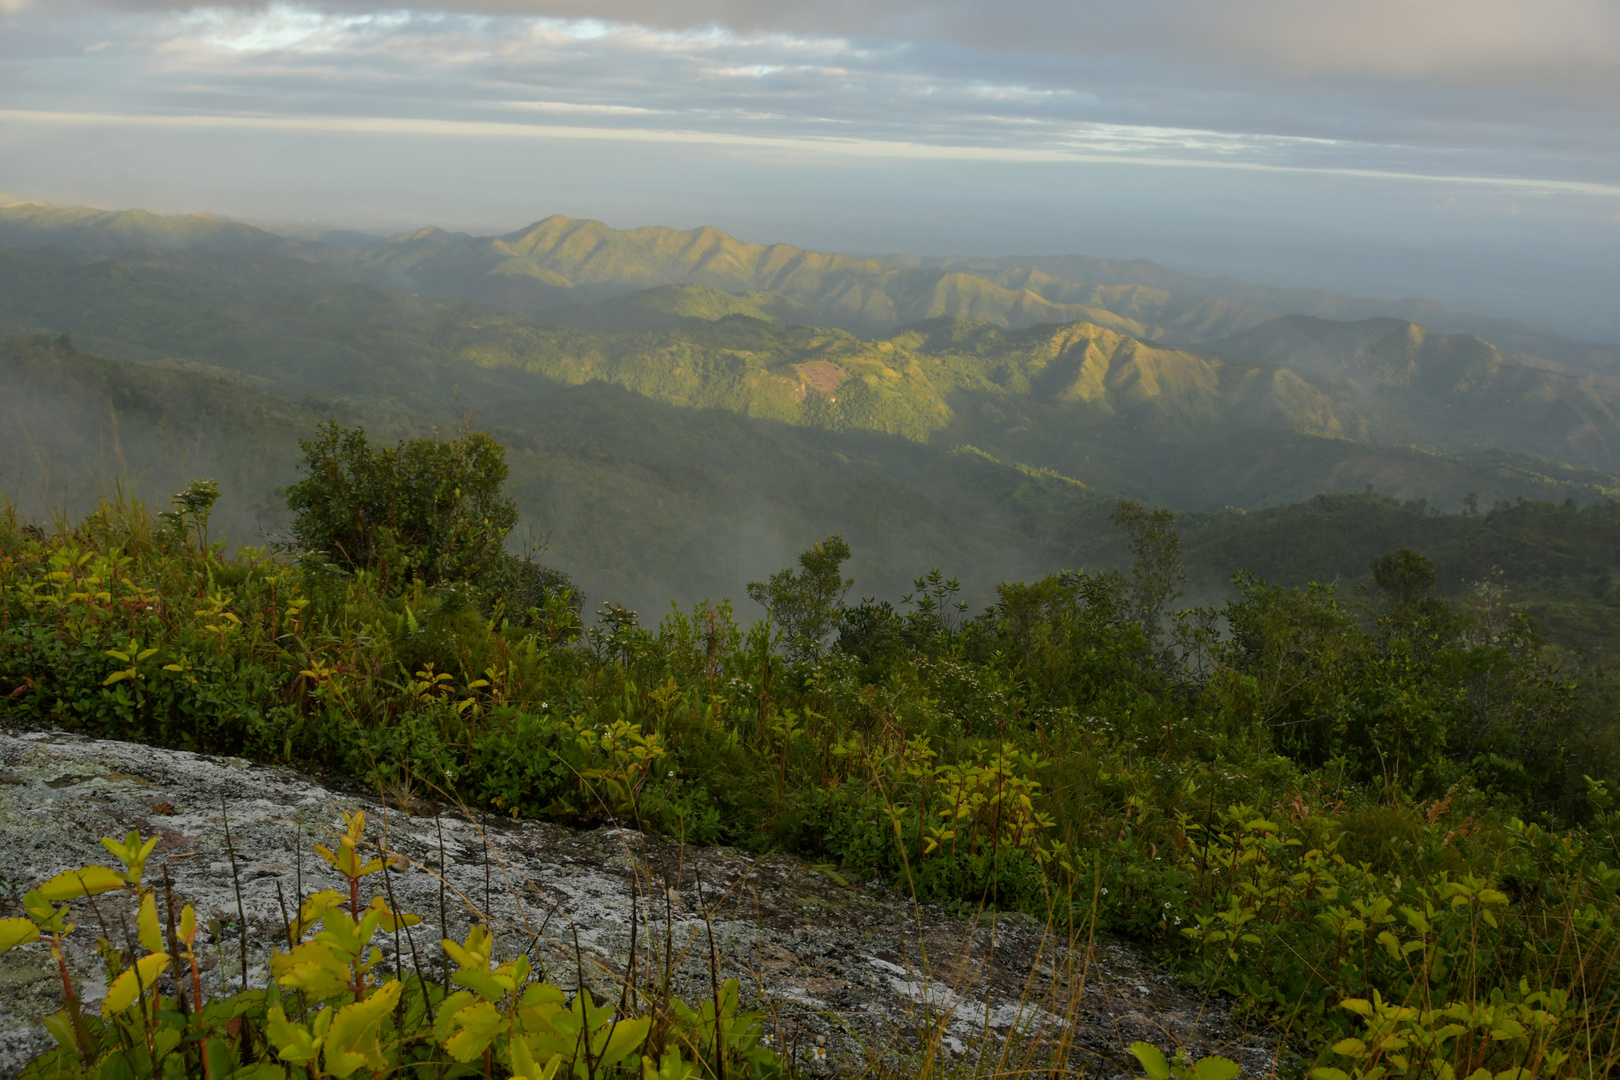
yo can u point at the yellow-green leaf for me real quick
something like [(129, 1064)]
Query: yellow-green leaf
[(85, 881), (627, 1036), (481, 982), (477, 1025), (313, 967), (524, 1067), (672, 1067), (293, 1042), (474, 953), (1350, 1047), (352, 1040), (60, 1026), (1152, 1060), (128, 986), (1215, 1068), (392, 920), (315, 907), (151, 934), (14, 932)]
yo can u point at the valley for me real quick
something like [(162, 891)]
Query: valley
[(672, 439)]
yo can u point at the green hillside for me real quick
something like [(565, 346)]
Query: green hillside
[(672, 306), (1109, 410), (1218, 296), (641, 502), (78, 428), (1453, 390), (674, 442), (562, 261), (36, 224), (1558, 560)]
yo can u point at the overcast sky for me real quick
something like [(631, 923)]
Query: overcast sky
[(1467, 150)]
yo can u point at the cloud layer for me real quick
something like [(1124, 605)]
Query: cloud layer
[(1572, 43), (1486, 87), (1496, 111)]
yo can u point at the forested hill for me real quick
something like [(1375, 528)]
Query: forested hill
[(559, 261), (1334, 737), (644, 502), (673, 442)]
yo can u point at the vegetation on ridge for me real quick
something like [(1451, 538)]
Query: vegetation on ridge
[(1380, 822)]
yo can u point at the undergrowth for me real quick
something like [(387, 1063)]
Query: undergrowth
[(1379, 823)]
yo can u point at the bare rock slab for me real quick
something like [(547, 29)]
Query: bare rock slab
[(842, 974)]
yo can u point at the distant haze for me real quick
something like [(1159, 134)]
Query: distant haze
[(1465, 152)]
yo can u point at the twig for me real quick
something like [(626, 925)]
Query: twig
[(236, 884), (444, 921), (714, 980)]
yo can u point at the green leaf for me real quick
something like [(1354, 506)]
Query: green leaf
[(444, 1024), (671, 1068), (1215, 1068), (622, 1040), (1152, 1060), (150, 933), (293, 1042), (264, 1070), (352, 1040), (60, 1026), (481, 982), (477, 1026)]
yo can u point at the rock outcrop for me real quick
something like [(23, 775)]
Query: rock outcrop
[(842, 973)]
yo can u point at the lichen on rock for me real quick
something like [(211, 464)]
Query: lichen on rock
[(842, 973)]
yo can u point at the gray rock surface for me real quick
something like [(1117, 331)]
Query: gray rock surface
[(843, 974)]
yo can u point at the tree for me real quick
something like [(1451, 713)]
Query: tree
[(1405, 576), (1405, 581), (807, 604), (1157, 573), (428, 509)]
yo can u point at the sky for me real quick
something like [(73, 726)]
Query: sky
[(1463, 150)]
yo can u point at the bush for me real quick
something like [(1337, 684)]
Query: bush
[(425, 509)]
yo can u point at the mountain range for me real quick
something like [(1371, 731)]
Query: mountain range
[(685, 408)]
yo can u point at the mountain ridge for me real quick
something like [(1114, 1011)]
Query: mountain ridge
[(557, 261), (1114, 412)]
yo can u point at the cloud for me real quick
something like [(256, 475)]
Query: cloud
[(1575, 43), (1116, 147), (1368, 88)]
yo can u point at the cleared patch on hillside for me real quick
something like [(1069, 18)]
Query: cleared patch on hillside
[(822, 376)]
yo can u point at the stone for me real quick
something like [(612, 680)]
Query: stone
[(842, 973)]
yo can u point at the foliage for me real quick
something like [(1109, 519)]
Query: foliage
[(1157, 571), (806, 604), (1303, 797), (331, 1011), (426, 509)]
